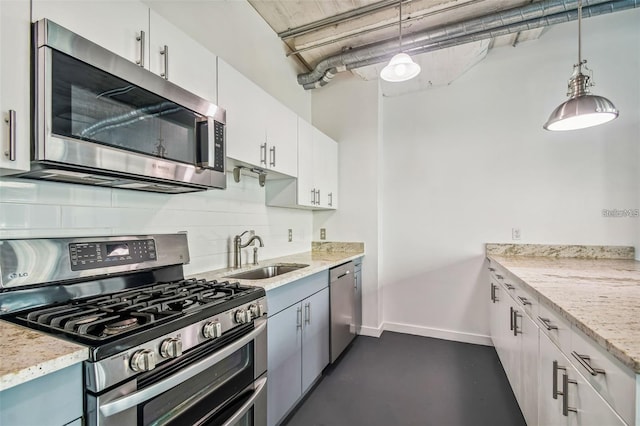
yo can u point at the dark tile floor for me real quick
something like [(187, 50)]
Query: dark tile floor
[(401, 379)]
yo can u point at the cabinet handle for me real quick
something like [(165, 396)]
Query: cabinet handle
[(299, 317), (493, 293), (142, 40), (547, 323), (515, 315), (556, 367), (165, 53), (585, 361), (492, 269), (511, 318), (509, 286), (524, 300), (318, 199), (313, 196), (331, 199), (272, 156), (263, 153), (500, 277), (307, 313), (565, 395), (11, 153)]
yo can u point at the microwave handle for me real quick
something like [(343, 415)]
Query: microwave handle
[(205, 157), (134, 399), (260, 388)]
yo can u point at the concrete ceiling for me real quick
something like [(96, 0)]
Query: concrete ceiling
[(315, 29)]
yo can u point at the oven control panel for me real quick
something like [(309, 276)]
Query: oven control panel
[(103, 254)]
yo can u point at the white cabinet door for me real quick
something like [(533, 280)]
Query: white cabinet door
[(15, 36), (550, 381), (282, 138), (245, 128), (306, 186), (284, 384), (315, 337), (114, 25), (185, 62), (325, 169), (528, 334), (577, 403)]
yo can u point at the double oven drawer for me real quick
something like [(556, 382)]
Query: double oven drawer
[(223, 383)]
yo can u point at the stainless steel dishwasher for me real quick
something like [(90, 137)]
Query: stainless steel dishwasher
[(342, 295)]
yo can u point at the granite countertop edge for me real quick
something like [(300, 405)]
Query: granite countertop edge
[(623, 357)]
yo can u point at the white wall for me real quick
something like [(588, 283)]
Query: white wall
[(347, 110), (44, 209), (463, 164), (234, 31)]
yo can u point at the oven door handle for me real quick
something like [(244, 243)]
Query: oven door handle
[(134, 399), (260, 387)]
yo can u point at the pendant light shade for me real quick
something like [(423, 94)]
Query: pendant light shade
[(401, 67), (583, 109)]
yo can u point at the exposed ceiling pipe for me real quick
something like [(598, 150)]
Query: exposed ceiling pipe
[(535, 15)]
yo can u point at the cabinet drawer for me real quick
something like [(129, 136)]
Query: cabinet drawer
[(286, 295), (557, 328), (612, 380)]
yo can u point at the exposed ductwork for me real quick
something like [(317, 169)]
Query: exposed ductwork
[(531, 16)]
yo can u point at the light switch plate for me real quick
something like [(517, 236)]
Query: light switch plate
[(515, 234)]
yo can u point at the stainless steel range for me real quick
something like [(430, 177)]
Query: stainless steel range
[(162, 349)]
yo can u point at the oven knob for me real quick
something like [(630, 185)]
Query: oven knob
[(171, 348), (242, 316), (256, 310), (211, 330), (143, 360)]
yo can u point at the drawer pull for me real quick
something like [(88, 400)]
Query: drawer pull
[(509, 286), (492, 269), (500, 277), (585, 361), (547, 323), (494, 299), (524, 300)]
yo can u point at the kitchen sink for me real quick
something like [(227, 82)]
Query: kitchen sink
[(268, 271)]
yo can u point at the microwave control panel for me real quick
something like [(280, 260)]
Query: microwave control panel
[(113, 253), (218, 145)]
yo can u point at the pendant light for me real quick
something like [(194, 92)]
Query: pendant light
[(401, 67), (582, 109)]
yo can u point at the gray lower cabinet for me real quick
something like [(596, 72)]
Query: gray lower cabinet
[(298, 344), (51, 400)]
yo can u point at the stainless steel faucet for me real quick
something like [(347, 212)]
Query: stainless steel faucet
[(237, 246)]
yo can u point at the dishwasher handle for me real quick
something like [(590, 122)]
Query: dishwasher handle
[(344, 275)]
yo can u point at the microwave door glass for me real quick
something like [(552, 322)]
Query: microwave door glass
[(95, 106)]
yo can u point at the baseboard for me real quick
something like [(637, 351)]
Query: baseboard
[(477, 339), (371, 331)]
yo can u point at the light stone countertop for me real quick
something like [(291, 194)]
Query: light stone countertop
[(27, 354), (600, 297), (317, 260)]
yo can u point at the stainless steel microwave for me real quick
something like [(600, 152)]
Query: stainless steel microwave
[(102, 120)]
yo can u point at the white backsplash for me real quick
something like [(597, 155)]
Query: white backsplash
[(31, 208)]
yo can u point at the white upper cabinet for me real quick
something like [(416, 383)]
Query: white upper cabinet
[(180, 59), (119, 26), (260, 130), (317, 184), (14, 86)]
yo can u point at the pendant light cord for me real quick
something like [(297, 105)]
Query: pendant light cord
[(579, 33), (400, 24)]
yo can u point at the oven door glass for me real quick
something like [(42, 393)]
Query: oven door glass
[(92, 105), (206, 396)]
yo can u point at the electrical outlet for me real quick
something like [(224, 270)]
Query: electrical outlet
[(323, 234), (515, 234), (290, 235)]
